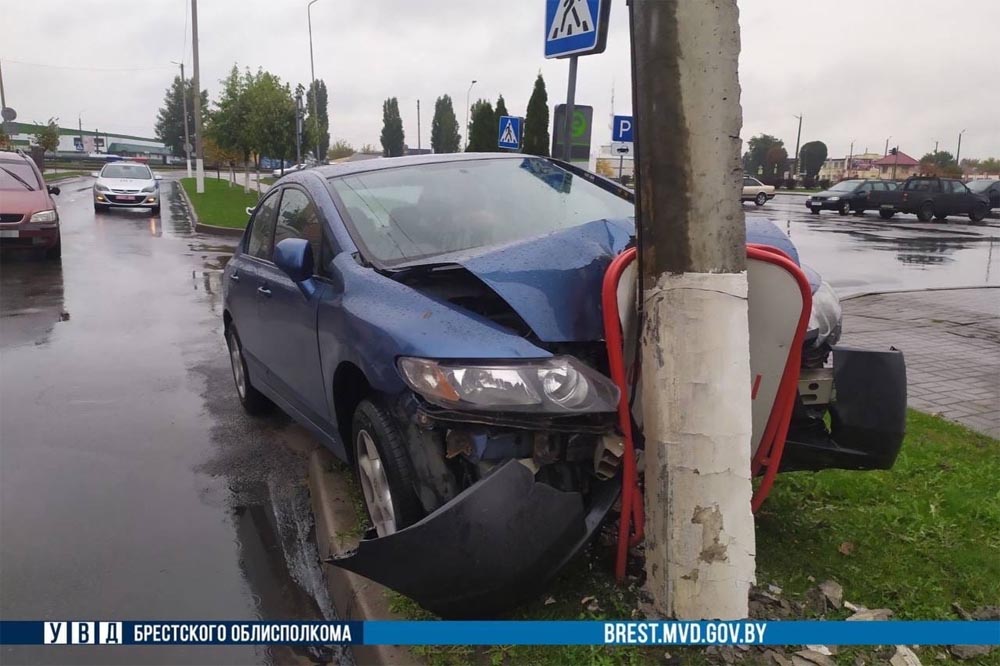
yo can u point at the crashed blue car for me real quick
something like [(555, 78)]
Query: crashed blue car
[(436, 322)]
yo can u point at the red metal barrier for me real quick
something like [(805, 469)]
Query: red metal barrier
[(765, 462)]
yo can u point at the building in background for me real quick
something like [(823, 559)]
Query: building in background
[(76, 143), (899, 166), (861, 166)]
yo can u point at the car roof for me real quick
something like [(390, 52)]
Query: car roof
[(126, 163), (383, 163)]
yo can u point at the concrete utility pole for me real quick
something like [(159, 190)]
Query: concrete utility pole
[(467, 93), (199, 151), (886, 153), (184, 105), (958, 151), (798, 137), (695, 340), (850, 159), (418, 124)]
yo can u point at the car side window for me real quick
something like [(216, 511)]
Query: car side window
[(958, 187), (299, 218), (747, 182), (259, 245)]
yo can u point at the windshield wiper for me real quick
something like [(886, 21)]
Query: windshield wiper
[(18, 179)]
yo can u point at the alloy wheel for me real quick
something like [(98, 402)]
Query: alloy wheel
[(374, 484)]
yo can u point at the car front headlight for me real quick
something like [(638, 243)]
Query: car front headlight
[(834, 199), (149, 188), (825, 317), (561, 384), (101, 188), (44, 216)]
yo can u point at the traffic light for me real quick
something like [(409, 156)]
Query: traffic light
[(893, 151)]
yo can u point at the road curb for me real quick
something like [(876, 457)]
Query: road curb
[(205, 228), (354, 597), (914, 291)]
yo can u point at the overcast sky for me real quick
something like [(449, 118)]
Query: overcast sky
[(862, 70)]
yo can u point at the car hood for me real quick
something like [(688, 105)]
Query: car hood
[(826, 194), (24, 202), (126, 183), (553, 282)]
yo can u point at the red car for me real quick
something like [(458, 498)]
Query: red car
[(28, 215)]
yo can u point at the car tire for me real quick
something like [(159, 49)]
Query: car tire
[(886, 214), (926, 211), (155, 210), (99, 208), (384, 471), (254, 402), (815, 211), (979, 212), (760, 199), (54, 253), (844, 208)]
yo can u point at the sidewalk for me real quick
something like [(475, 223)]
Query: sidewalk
[(951, 340)]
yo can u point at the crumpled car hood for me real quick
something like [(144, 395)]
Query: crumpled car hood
[(553, 282)]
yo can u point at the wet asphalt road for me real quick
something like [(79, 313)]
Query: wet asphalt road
[(858, 254), (133, 487), (131, 484)]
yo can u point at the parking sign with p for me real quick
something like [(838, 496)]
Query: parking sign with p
[(621, 129)]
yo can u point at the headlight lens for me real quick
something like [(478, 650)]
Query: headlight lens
[(43, 216), (834, 199), (101, 188), (561, 384), (149, 188), (826, 315)]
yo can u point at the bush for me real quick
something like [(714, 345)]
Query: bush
[(809, 182), (791, 183), (824, 183)]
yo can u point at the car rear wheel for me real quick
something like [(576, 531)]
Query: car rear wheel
[(925, 212), (384, 470), (845, 208), (760, 199), (253, 401), (886, 214), (940, 217), (978, 213)]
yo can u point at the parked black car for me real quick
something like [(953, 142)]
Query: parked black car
[(847, 196), (930, 197), (988, 188)]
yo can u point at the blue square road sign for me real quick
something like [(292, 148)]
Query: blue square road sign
[(621, 129), (509, 133), (575, 27)]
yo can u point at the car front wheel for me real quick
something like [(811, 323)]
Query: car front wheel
[(926, 212), (886, 214), (978, 213), (845, 208), (384, 470), (253, 401), (760, 199)]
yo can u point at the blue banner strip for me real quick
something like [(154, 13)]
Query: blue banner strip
[(741, 632)]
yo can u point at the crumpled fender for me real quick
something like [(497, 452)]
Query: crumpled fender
[(490, 548)]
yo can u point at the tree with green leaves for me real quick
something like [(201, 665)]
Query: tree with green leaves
[(990, 165), (4, 138), (763, 156), (47, 135), (170, 118), (392, 129), (339, 150), (228, 123), (482, 128), (536, 121), (940, 163), (444, 127), (318, 123), (271, 120), (501, 111), (811, 157)]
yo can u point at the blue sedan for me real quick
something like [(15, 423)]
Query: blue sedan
[(436, 322)]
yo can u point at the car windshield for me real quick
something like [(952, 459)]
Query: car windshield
[(417, 212), (10, 171), (980, 185), (846, 186), (137, 171)]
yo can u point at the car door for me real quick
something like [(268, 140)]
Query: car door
[(859, 199), (961, 198), (288, 313), (243, 281)]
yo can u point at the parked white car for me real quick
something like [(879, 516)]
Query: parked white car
[(756, 191), (295, 167), (127, 185)]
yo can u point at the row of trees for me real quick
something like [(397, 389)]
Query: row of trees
[(484, 121), (255, 115), (766, 156)]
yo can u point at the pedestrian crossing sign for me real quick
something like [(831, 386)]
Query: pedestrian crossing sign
[(575, 27), (509, 136)]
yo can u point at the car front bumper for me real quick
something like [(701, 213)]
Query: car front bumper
[(138, 200), (29, 235), (867, 415), (489, 548)]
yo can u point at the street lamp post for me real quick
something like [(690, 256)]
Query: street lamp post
[(312, 70), (798, 137), (199, 150), (184, 105), (467, 93), (886, 153), (958, 153), (850, 160)]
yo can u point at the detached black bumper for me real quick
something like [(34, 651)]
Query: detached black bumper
[(867, 416), (488, 549)]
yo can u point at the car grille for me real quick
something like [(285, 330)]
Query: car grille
[(132, 198), (10, 218), (819, 198), (125, 191)]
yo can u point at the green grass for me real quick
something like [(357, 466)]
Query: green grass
[(924, 535), (50, 176), (267, 180), (220, 205)]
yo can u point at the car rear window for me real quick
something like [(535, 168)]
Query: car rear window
[(20, 169)]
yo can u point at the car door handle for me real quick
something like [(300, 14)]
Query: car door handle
[(263, 291), (235, 277)]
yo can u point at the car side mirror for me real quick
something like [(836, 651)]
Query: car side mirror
[(53, 189), (249, 210), (95, 174), (157, 177), (294, 256)]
